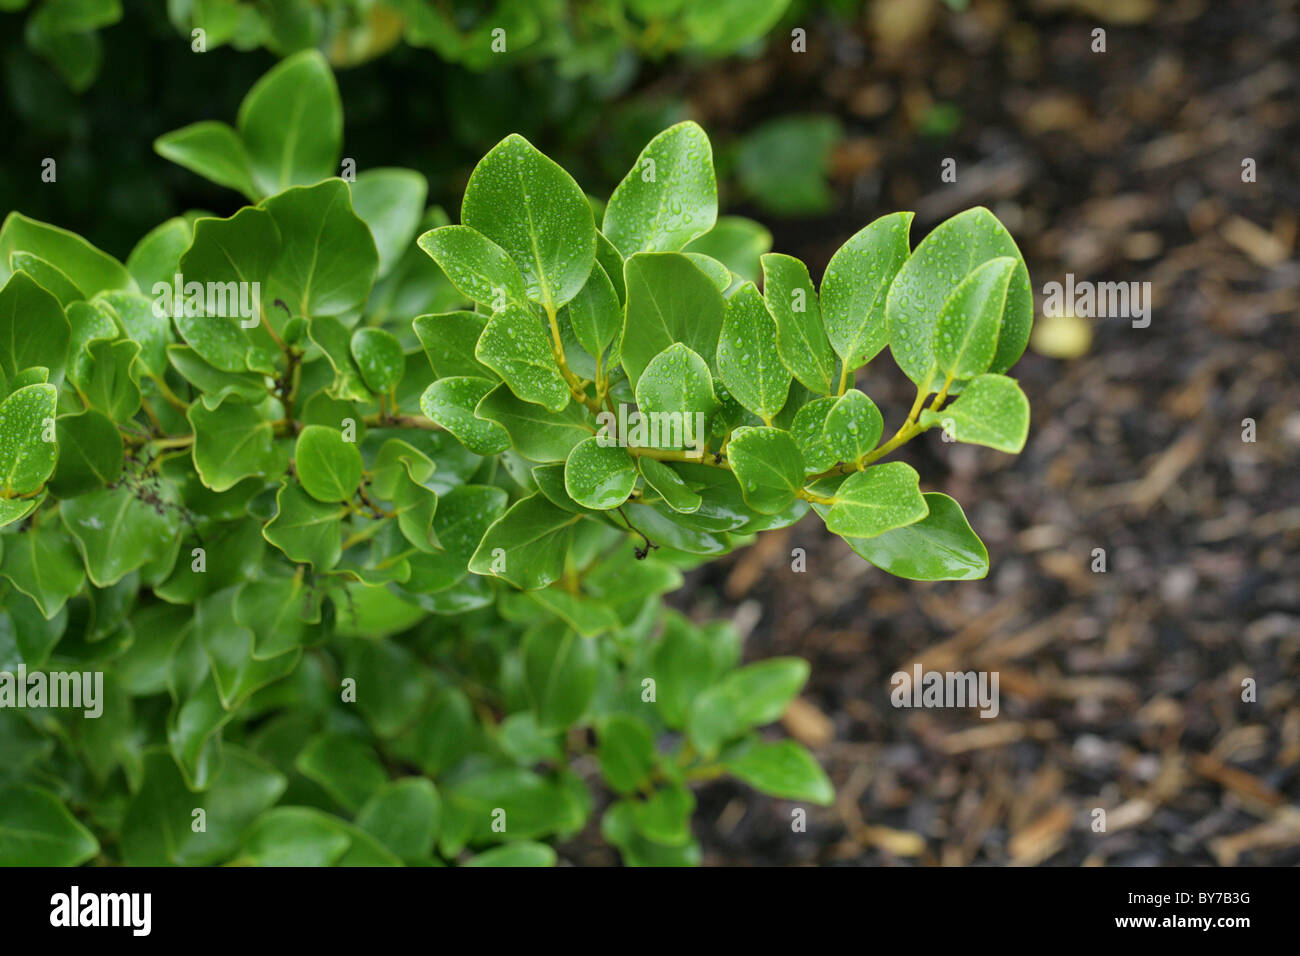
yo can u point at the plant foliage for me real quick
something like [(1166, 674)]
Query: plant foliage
[(370, 549)]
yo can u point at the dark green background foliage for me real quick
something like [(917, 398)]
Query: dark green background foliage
[(579, 67), (365, 577)]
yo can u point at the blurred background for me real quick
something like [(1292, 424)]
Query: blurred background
[(1121, 689)]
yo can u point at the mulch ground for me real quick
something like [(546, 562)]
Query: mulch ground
[(1122, 690)]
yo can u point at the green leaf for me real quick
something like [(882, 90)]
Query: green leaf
[(449, 341), (159, 826), (527, 545), (214, 384), (232, 442), (764, 690), (599, 476), (156, 257), (536, 434), (677, 383), (404, 816), (90, 269), (992, 411), (527, 804), (669, 300), (328, 466), (291, 122), (347, 769), (669, 197), (43, 564), (138, 318), (306, 530), (523, 853), (33, 328), (677, 494), (106, 379), (480, 269), (36, 829), (48, 276), (737, 243), (879, 499), (533, 209), (749, 364), (90, 454), (328, 260), (801, 340), (665, 817), (853, 426), (951, 252), (809, 433), (784, 770), (27, 448), (595, 314), (514, 346), (966, 335), (391, 202), (333, 339), (276, 611), (560, 673), (722, 277), (854, 289), (451, 402), (379, 356), (939, 547), (214, 151), (619, 827), (231, 254), (117, 532), (768, 467), (626, 752)]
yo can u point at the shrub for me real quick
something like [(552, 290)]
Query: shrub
[(362, 578)]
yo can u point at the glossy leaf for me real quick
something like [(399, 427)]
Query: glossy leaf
[(328, 466), (768, 467), (853, 427), (27, 439), (954, 249), (451, 402), (514, 346), (669, 300), (533, 209), (214, 151), (749, 364), (992, 411), (939, 547), (879, 499), (801, 340), (291, 123), (669, 196), (854, 288), (966, 335), (477, 266), (527, 545), (599, 476)]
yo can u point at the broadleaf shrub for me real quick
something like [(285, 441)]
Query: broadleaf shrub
[(365, 519)]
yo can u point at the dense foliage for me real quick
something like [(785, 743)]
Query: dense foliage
[(366, 518)]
